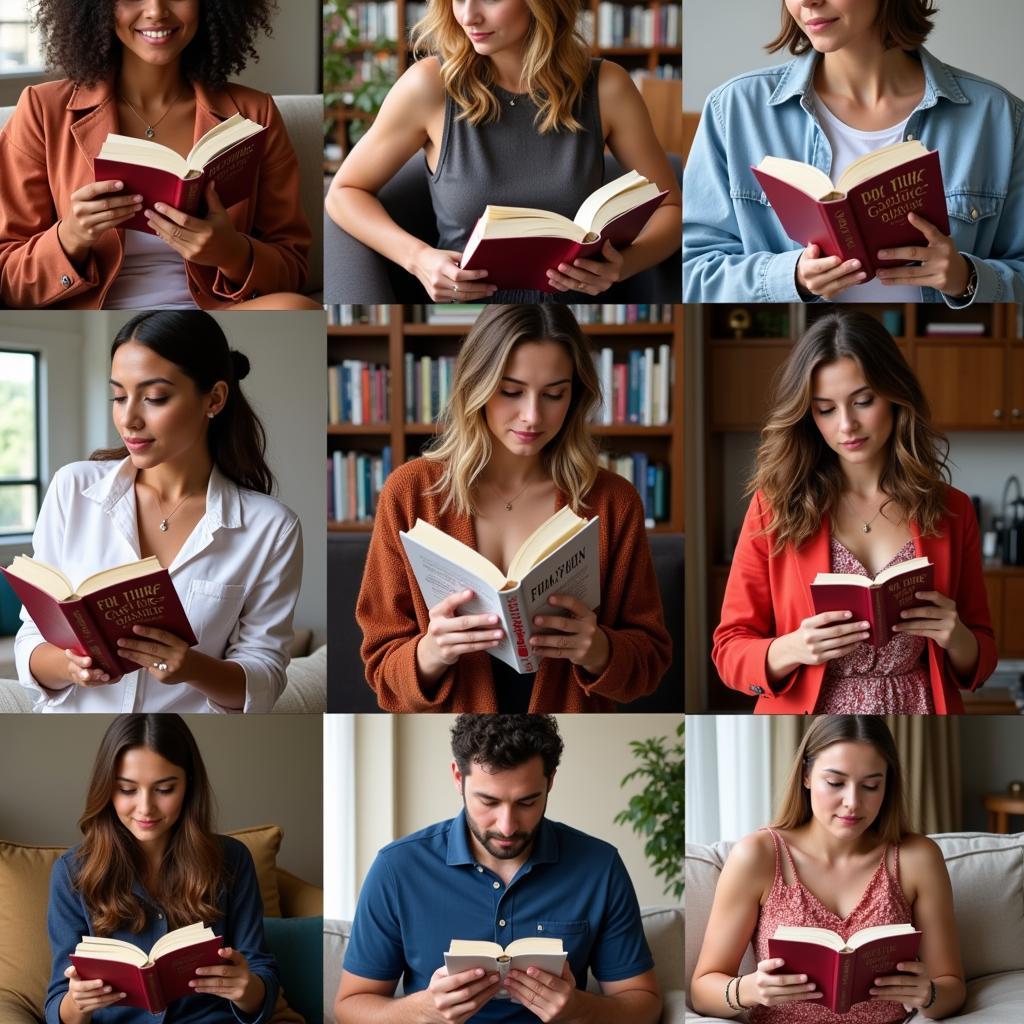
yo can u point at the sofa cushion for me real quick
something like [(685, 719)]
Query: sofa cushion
[(24, 945), (663, 929), (295, 943), (263, 842), (987, 874), (306, 692)]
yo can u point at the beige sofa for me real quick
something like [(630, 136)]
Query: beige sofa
[(304, 694), (987, 872), (663, 929), (24, 892), (303, 118)]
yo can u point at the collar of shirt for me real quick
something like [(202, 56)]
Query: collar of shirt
[(797, 81), (545, 845), (115, 493)]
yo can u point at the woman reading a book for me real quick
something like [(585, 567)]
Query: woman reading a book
[(190, 486), (860, 80), (852, 478), (840, 855), (151, 863), (158, 70), (508, 109), (515, 446)]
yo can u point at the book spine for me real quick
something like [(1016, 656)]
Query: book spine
[(881, 627), (843, 984), (92, 639), (842, 227), (155, 1002), (188, 195), (517, 628)]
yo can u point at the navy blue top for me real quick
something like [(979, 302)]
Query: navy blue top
[(240, 925), (427, 889)]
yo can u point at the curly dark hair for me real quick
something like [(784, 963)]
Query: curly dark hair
[(79, 38), (506, 741)]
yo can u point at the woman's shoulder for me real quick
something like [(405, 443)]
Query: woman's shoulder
[(81, 475), (957, 503), (234, 850), (420, 84), (413, 473), (256, 504), (250, 102), (751, 87), (975, 88), (611, 488), (752, 859)]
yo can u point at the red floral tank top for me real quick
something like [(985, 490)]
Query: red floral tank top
[(883, 902)]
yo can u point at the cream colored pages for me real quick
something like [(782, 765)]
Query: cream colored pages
[(881, 160), (548, 536), (119, 574), (43, 576)]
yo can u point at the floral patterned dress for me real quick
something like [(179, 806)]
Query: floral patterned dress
[(889, 680), (882, 902)]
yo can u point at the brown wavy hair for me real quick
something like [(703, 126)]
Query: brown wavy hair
[(904, 25), (463, 447), (799, 475), (556, 63), (892, 823), (109, 859)]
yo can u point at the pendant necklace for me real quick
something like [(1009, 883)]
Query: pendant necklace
[(508, 502), (151, 128), (163, 522), (866, 526)]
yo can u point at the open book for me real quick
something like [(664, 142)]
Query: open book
[(90, 618), (517, 245), (866, 209), (879, 601), (844, 972), (466, 954), (560, 557), (229, 154), (150, 980)]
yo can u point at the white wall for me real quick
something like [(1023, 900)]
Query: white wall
[(723, 39), (403, 782)]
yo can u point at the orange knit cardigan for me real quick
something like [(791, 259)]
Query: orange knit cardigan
[(393, 616)]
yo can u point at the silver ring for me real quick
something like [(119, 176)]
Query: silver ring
[(455, 289), (160, 666)]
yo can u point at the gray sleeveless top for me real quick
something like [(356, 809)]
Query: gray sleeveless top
[(509, 163)]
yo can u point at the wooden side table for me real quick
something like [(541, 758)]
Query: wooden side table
[(1000, 806)]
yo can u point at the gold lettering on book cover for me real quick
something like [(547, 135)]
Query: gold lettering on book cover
[(893, 200), (138, 604)]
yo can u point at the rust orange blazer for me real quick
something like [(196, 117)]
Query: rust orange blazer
[(46, 153), (769, 595)]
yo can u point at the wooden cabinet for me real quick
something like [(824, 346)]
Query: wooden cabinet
[(964, 382), (1005, 588), (740, 374), (1015, 386)]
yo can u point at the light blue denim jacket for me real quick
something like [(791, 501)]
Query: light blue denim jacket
[(735, 249)]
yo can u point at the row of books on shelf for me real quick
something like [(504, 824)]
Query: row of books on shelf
[(623, 313), (350, 316), (632, 25), (375, 22), (635, 391), (649, 478), (355, 480)]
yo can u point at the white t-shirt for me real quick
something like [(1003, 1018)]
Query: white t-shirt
[(237, 574), (847, 145), (152, 276)]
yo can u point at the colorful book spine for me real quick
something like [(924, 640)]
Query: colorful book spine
[(354, 316), (428, 386), (354, 482), (649, 478), (358, 392), (637, 390)]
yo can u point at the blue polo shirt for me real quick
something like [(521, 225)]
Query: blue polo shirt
[(427, 889)]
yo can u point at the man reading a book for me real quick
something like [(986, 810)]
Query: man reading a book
[(499, 870)]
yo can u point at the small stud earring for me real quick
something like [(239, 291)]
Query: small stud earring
[(210, 415)]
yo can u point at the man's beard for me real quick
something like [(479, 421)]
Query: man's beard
[(522, 841)]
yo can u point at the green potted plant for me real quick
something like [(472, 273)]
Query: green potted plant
[(657, 810)]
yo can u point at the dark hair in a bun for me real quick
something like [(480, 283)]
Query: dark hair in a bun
[(195, 343)]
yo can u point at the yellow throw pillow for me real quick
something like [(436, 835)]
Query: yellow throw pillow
[(263, 843)]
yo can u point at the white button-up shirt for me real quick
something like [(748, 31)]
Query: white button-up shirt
[(237, 575)]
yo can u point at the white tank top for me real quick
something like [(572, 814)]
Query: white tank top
[(152, 276), (847, 144)]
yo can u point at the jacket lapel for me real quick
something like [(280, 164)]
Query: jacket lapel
[(812, 558), (98, 116)]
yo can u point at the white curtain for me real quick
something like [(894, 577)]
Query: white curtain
[(339, 817), (728, 776)]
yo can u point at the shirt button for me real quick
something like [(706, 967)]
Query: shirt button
[(501, 923), (540, 927), (254, 294), (480, 869), (159, 917), (910, 136), (496, 885), (974, 213), (757, 689), (65, 281)]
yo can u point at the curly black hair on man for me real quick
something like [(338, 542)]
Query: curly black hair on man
[(500, 742), (79, 38)]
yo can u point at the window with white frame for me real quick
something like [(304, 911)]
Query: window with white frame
[(20, 476), (20, 48)]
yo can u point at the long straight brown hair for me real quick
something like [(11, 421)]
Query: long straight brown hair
[(109, 858), (892, 823), (800, 476)]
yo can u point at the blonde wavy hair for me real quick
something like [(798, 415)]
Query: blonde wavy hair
[(556, 63), (799, 474), (463, 446)]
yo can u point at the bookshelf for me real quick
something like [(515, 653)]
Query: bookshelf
[(373, 39), (387, 344), (970, 363)]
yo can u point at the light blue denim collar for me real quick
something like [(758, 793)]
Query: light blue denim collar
[(939, 81)]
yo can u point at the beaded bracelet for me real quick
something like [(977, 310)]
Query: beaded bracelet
[(728, 1001), (738, 1003), (935, 994)]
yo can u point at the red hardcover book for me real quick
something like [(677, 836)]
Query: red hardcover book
[(844, 972), (104, 608), (866, 210), (518, 245), (151, 982), (228, 154), (620, 391), (879, 601)]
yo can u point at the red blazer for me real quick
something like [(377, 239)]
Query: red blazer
[(46, 153), (769, 595)]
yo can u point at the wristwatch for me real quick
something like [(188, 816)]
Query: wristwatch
[(972, 282)]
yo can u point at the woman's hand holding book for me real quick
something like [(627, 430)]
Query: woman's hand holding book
[(912, 988), (578, 637), (444, 280), (590, 276), (940, 265), (231, 980), (86, 996), (450, 635), (94, 212), (764, 988), (824, 276), (165, 656), (817, 640)]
